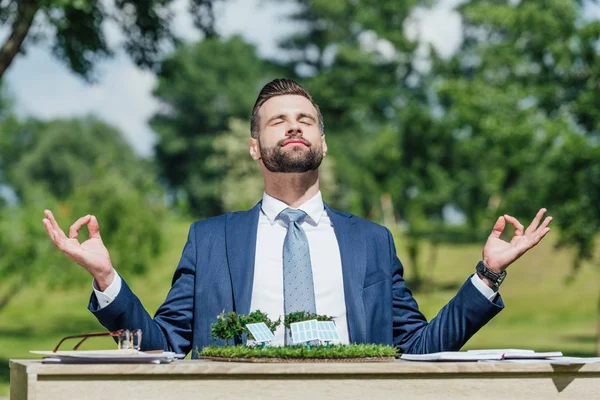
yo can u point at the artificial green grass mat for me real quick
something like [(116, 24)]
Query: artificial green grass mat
[(319, 352)]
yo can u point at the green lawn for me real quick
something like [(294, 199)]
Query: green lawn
[(542, 311)]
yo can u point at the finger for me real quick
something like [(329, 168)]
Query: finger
[(74, 229), (49, 229), (94, 228), (545, 223), (498, 227), (514, 222), (536, 221), (58, 233), (58, 237), (543, 233), (538, 237)]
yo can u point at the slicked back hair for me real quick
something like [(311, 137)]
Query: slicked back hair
[(280, 87)]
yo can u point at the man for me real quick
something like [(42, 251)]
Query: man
[(292, 252)]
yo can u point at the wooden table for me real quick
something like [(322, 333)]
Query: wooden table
[(30, 379)]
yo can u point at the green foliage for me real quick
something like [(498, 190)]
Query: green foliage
[(76, 29), (73, 167), (26, 253), (300, 316), (62, 155), (202, 86), (520, 102), (336, 351), (228, 327)]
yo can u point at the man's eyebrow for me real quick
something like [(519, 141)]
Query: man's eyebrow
[(279, 116), (304, 115)]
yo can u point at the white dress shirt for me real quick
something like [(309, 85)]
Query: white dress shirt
[(267, 291)]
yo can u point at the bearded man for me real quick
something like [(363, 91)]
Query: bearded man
[(292, 252)]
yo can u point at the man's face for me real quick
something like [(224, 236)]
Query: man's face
[(290, 139)]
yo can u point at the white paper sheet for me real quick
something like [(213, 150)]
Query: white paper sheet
[(483, 355), (451, 356), (107, 356)]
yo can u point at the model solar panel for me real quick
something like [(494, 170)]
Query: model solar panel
[(261, 332), (327, 331), (304, 331)]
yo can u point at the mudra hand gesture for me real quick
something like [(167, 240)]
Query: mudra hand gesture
[(90, 254), (499, 254)]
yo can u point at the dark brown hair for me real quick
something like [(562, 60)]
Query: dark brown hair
[(279, 87)]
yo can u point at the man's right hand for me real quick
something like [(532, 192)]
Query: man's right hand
[(91, 254)]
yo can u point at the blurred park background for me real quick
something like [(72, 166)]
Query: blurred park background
[(439, 115)]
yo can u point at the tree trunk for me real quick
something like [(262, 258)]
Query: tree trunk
[(26, 10)]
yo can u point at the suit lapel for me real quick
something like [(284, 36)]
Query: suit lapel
[(354, 259), (240, 232)]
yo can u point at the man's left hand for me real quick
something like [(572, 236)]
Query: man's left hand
[(499, 254)]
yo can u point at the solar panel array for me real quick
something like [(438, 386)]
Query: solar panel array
[(327, 331), (261, 332), (314, 330), (304, 331)]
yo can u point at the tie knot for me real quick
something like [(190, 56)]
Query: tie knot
[(290, 215)]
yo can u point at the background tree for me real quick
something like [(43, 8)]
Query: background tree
[(62, 155), (202, 86), (76, 29), (520, 99), (75, 167)]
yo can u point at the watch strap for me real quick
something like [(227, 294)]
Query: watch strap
[(496, 278)]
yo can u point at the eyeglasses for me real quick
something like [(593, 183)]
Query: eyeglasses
[(127, 339)]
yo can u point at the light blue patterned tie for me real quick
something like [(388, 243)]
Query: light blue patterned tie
[(298, 286)]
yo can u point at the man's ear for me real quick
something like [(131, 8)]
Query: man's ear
[(254, 149), (324, 144)]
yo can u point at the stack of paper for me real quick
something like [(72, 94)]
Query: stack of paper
[(518, 354), (482, 355), (503, 355), (108, 356)]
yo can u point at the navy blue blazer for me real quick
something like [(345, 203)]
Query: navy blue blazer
[(216, 273)]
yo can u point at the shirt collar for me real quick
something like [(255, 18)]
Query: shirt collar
[(314, 207)]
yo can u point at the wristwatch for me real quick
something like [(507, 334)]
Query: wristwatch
[(496, 278)]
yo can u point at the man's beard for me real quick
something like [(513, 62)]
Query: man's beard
[(276, 160)]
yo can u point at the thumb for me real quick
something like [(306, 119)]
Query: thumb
[(498, 227), (94, 228)]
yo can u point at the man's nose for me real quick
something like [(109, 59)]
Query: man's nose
[(294, 129)]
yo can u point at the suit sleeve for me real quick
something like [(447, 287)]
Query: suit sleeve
[(171, 327), (454, 325)]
